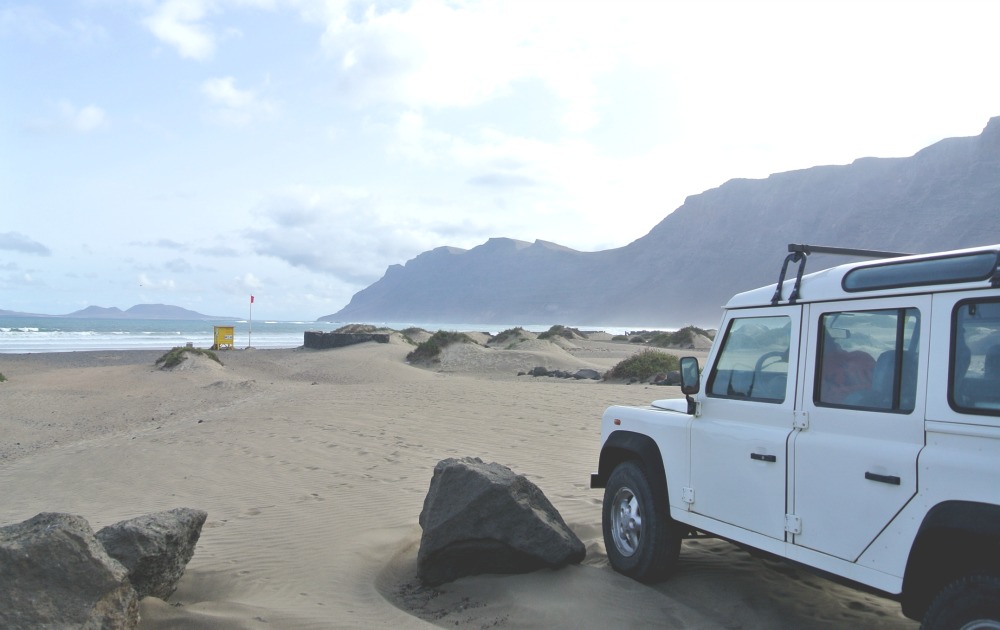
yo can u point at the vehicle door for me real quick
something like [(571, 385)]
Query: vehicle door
[(855, 460), (738, 442)]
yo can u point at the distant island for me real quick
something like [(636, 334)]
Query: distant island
[(139, 311)]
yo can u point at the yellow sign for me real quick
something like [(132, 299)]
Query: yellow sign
[(223, 337)]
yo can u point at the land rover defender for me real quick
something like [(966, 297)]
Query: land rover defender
[(846, 420)]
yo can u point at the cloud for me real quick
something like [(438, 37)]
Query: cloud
[(31, 23), (28, 21), (67, 117), (150, 283), (248, 282), (85, 119), (224, 92), (178, 23), (167, 243), (178, 265), (218, 251), (16, 242), (164, 243), (233, 106), (350, 235), (434, 54), (502, 180)]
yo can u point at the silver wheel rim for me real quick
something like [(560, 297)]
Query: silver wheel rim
[(626, 522), (982, 624)]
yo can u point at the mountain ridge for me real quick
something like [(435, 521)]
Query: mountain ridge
[(719, 242), (139, 311)]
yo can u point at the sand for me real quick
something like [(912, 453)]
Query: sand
[(313, 467)]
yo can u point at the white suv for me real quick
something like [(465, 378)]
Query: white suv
[(846, 420)]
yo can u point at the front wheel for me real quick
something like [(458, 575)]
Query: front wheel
[(641, 539), (969, 603)]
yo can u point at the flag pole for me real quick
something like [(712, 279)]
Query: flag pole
[(250, 333)]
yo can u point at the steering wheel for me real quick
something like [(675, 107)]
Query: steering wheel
[(780, 355)]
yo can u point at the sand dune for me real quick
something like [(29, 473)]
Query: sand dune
[(313, 466)]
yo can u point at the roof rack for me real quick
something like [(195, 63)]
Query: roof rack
[(799, 253)]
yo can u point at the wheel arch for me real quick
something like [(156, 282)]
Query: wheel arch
[(955, 538), (625, 445)]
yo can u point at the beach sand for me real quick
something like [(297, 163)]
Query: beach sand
[(313, 467)]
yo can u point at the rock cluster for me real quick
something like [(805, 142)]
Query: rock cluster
[(484, 518), (585, 373), (672, 377), (56, 573)]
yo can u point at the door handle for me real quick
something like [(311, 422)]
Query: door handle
[(889, 479), (760, 457)]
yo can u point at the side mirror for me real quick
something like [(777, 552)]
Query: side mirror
[(690, 382)]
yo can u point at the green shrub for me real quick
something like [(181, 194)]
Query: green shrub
[(636, 339), (561, 331), (174, 357), (411, 332), (510, 333), (683, 338), (644, 365), (356, 328), (620, 338), (2, 377), (431, 349)]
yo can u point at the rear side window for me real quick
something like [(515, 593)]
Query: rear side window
[(974, 384), (753, 362), (912, 273), (868, 360)]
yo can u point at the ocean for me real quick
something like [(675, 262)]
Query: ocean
[(20, 335)]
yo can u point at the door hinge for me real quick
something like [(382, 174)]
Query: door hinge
[(793, 524), (687, 495), (800, 419)]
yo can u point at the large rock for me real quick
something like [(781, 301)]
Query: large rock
[(55, 574), (484, 518), (588, 373), (155, 548)]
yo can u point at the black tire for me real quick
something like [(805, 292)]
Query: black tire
[(641, 539), (969, 603)]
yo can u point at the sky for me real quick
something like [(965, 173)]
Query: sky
[(197, 152)]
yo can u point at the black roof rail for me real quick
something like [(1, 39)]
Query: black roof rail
[(799, 253)]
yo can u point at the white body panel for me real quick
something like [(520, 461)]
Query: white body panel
[(668, 429), (739, 456), (841, 446)]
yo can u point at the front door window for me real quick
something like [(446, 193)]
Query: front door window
[(753, 362)]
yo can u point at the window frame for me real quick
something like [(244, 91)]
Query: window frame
[(952, 359), (901, 342), (714, 372)]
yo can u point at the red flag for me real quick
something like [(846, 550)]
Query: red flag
[(251, 299)]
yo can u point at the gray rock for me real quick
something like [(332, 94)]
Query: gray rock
[(539, 371), (55, 574), (484, 518), (587, 373), (155, 548), (666, 378)]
